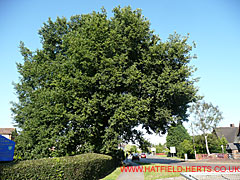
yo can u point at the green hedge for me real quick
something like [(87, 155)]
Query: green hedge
[(86, 166)]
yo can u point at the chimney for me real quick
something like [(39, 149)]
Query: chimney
[(232, 125)]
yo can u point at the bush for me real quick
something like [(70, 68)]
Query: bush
[(86, 166), (185, 147)]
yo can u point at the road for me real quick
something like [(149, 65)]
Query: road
[(175, 162)]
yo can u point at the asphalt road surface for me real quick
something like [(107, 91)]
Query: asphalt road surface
[(175, 162)]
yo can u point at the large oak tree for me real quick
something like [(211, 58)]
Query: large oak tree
[(95, 79)]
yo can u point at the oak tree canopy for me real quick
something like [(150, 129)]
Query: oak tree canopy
[(96, 79)]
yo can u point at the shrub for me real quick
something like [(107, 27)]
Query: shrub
[(185, 147), (86, 166)]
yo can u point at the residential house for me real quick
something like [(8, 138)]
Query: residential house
[(7, 132), (232, 135)]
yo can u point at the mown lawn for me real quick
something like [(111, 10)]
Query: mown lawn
[(162, 155), (153, 171), (157, 173)]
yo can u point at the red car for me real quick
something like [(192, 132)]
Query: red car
[(143, 155)]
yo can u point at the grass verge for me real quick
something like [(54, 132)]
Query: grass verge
[(162, 155), (158, 171), (114, 175), (165, 156), (152, 173)]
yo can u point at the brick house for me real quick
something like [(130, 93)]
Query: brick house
[(232, 135), (7, 132)]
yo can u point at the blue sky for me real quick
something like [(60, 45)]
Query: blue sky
[(214, 25)]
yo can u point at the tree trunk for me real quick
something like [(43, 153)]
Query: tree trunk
[(207, 145), (195, 152)]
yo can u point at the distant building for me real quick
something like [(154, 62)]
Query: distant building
[(232, 135), (7, 132)]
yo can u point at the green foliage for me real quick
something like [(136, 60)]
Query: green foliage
[(130, 148), (134, 149), (86, 166), (161, 148), (214, 144), (176, 135), (144, 144), (97, 78), (200, 144), (223, 142), (185, 147)]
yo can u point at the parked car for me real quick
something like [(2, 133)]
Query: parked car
[(143, 155), (135, 157)]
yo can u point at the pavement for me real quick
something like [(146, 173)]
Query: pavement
[(131, 175)]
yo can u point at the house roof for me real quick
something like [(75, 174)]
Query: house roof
[(232, 146), (6, 131), (230, 133), (237, 139)]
